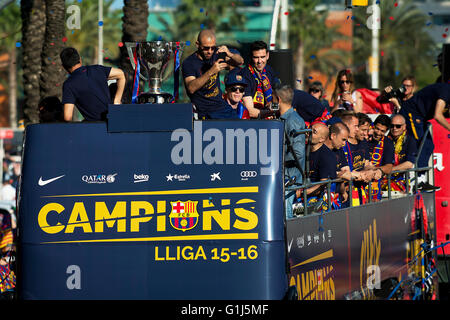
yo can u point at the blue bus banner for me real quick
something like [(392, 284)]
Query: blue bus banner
[(182, 214)]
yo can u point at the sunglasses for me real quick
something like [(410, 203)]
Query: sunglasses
[(345, 81), (314, 90), (397, 126), (234, 89), (213, 48)]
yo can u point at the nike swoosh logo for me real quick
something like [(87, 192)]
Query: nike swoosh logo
[(289, 245), (44, 182)]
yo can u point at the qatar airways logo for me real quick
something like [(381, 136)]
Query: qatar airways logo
[(236, 146)]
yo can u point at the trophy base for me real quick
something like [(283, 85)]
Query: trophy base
[(148, 97)]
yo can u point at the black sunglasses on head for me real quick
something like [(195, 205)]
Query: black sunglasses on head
[(345, 81)]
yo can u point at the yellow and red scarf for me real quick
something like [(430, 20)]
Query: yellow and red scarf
[(263, 93)]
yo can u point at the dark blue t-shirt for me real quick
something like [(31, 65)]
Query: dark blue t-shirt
[(341, 160), (307, 106), (322, 164), (208, 98), (423, 103), (87, 88), (408, 151), (388, 151), (250, 90), (358, 155)]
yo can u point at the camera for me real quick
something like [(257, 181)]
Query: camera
[(275, 106), (222, 56), (397, 93)]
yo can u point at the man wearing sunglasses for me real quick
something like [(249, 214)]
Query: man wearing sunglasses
[(234, 91), (410, 85), (261, 79), (431, 102), (201, 76), (405, 152), (404, 145)]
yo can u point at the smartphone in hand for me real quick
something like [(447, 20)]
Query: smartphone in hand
[(222, 56)]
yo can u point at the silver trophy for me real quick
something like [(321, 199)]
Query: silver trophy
[(153, 58)]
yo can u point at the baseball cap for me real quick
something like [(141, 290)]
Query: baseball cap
[(233, 78)]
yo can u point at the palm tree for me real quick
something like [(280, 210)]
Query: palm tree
[(9, 38), (311, 39), (134, 28), (405, 46), (33, 31), (52, 75), (193, 15)]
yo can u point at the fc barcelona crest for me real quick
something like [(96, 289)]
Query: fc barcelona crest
[(184, 215)]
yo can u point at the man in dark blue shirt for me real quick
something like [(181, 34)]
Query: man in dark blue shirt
[(381, 148), (405, 152), (405, 148), (309, 107), (261, 79), (381, 153), (87, 87), (201, 76), (356, 155), (322, 160), (429, 103)]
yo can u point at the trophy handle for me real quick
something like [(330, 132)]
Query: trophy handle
[(131, 48)]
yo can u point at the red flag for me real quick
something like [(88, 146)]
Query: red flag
[(370, 104)]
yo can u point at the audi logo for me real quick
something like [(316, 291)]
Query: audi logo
[(248, 174)]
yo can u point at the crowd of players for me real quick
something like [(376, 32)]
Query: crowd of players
[(344, 142)]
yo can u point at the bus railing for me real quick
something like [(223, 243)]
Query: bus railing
[(291, 186), (305, 186)]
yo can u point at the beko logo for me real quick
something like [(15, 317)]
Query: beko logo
[(141, 178)]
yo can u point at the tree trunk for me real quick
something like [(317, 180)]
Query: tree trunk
[(134, 28), (33, 30), (12, 79), (53, 74), (300, 66)]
